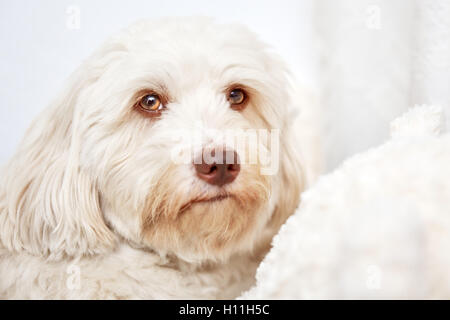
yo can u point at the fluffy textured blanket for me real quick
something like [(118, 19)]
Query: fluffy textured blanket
[(376, 227)]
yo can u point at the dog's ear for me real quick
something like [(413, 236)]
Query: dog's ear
[(48, 204), (291, 181), (300, 153)]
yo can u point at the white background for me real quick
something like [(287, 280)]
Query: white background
[(38, 51)]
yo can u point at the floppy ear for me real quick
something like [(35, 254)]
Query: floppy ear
[(48, 205), (300, 153), (291, 181)]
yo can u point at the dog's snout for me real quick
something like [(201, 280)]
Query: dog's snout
[(218, 167)]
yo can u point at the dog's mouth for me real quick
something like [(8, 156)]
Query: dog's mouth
[(194, 201)]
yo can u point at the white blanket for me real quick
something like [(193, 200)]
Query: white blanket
[(376, 227)]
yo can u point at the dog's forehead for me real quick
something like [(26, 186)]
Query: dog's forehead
[(187, 53), (195, 32), (189, 43)]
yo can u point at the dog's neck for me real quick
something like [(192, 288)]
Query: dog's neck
[(170, 260)]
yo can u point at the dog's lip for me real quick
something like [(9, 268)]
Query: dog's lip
[(216, 198)]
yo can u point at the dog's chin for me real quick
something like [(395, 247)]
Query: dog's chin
[(208, 228), (198, 223)]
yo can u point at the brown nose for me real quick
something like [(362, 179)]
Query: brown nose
[(219, 169)]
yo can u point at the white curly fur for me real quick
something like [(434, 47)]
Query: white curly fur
[(375, 228), (92, 194)]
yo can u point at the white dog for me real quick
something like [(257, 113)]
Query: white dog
[(93, 204)]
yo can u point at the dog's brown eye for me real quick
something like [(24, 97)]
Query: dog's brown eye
[(236, 97), (151, 103)]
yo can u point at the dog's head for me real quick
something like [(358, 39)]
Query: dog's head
[(158, 140)]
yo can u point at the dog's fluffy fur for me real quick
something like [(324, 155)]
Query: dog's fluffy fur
[(92, 194)]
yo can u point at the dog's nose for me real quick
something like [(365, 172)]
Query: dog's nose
[(223, 167)]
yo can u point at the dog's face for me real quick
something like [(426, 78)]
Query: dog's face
[(141, 98)]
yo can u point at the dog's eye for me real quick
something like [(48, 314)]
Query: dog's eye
[(151, 103), (237, 97)]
